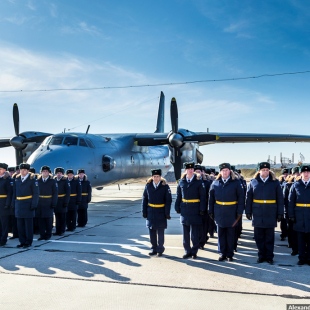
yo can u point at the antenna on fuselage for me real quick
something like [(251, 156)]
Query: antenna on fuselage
[(87, 129)]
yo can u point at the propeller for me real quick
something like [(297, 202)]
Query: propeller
[(16, 118), (21, 140), (177, 139), (17, 141)]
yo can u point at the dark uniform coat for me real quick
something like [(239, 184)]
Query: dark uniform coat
[(48, 197), (6, 192), (25, 208), (264, 214), (63, 195), (156, 217), (75, 194), (286, 190), (299, 193), (191, 212), (232, 190), (86, 193), (207, 183)]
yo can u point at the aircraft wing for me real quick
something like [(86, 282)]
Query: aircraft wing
[(205, 138), (252, 137)]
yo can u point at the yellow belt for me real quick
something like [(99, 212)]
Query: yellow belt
[(226, 203), (46, 196), (72, 195), (307, 205), (264, 201), (84, 194), (3, 196), (23, 197), (62, 195), (190, 200), (156, 205)]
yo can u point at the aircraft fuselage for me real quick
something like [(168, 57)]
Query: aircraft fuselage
[(107, 159)]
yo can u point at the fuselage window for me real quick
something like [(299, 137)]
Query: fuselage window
[(132, 160), (56, 140), (82, 142), (90, 143), (71, 141)]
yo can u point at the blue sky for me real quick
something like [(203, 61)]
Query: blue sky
[(99, 43)]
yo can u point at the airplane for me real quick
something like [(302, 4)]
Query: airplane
[(128, 157)]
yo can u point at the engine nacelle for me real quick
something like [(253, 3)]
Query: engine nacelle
[(189, 152)]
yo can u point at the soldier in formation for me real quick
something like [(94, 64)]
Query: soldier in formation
[(299, 213), (191, 205), (264, 206), (226, 205), (25, 201), (82, 217), (74, 201), (6, 190), (156, 204), (47, 202), (62, 202)]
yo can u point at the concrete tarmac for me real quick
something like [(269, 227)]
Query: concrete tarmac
[(106, 265)]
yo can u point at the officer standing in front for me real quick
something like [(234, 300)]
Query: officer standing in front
[(156, 204), (6, 191), (75, 199), (299, 213), (82, 217), (265, 204), (25, 200), (191, 204), (226, 205), (62, 201), (47, 202)]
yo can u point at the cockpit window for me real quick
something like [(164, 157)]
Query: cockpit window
[(56, 140), (70, 141), (90, 143), (47, 140), (82, 142)]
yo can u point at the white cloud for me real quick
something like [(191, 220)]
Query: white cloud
[(17, 19), (82, 27), (88, 28), (31, 5), (239, 28), (53, 10)]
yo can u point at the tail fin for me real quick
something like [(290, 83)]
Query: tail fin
[(161, 114)]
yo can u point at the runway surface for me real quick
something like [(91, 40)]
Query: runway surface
[(106, 266)]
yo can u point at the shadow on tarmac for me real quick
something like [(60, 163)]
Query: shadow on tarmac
[(116, 242)]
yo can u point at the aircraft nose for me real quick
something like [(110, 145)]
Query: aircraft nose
[(47, 158)]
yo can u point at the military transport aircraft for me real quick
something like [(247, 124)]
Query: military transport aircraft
[(124, 158)]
